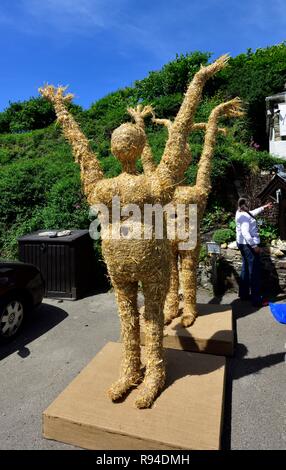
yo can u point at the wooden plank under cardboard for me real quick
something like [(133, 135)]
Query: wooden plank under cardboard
[(211, 333), (187, 414)]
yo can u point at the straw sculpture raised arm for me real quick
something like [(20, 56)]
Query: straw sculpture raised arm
[(230, 109), (186, 155), (168, 170), (132, 259), (139, 114), (91, 172)]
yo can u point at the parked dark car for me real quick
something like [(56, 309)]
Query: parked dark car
[(21, 289)]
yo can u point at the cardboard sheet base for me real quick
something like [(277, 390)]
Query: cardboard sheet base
[(187, 414), (211, 333)]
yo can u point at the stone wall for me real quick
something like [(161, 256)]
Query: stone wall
[(225, 275)]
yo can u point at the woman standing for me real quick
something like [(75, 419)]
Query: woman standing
[(248, 241)]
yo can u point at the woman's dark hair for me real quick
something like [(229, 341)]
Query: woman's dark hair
[(242, 206)]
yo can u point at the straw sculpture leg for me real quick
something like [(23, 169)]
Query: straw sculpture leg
[(189, 262), (130, 374), (154, 381), (171, 308)]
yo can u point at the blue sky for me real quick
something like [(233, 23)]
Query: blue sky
[(98, 46)]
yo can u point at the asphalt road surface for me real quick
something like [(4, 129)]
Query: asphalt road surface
[(60, 338)]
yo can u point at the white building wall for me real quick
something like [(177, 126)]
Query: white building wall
[(282, 119), (278, 148)]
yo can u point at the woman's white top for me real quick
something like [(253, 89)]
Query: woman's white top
[(246, 227)]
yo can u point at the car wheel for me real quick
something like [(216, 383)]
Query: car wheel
[(11, 317)]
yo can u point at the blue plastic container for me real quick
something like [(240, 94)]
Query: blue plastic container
[(279, 312)]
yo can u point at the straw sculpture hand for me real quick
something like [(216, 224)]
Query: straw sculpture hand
[(140, 113), (56, 95)]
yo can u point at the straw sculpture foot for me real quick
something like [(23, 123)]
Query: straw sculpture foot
[(188, 320), (171, 311), (120, 388), (152, 386), (170, 317)]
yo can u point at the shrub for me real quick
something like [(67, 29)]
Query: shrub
[(267, 233), (27, 115), (203, 254), (214, 216), (223, 235)]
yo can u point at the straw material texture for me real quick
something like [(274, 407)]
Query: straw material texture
[(130, 261)]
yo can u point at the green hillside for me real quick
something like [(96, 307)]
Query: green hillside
[(40, 184)]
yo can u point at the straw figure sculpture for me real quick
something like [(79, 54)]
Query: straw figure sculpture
[(197, 194), (130, 261)]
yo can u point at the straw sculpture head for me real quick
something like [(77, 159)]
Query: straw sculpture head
[(127, 143)]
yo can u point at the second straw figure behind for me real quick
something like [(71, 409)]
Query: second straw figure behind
[(186, 195)]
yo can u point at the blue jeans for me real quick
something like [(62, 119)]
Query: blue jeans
[(249, 285)]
